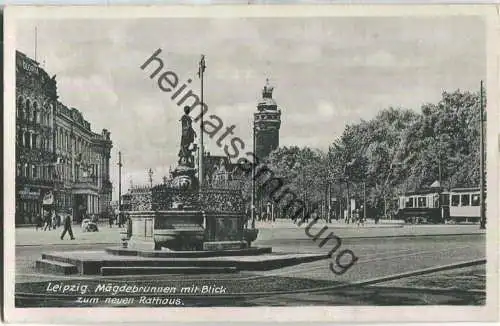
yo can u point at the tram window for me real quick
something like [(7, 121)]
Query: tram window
[(422, 202), (409, 202), (475, 200), (445, 199), (455, 200), (465, 200)]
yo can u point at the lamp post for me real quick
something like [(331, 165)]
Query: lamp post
[(364, 200), (482, 224), (201, 74), (120, 181)]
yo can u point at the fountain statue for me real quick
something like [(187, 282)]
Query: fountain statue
[(181, 216)]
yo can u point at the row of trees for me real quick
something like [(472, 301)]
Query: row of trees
[(399, 150)]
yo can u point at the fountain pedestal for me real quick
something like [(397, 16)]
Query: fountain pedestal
[(224, 231)]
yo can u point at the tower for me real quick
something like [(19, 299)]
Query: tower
[(267, 122)]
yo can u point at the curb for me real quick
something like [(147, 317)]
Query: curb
[(67, 244), (381, 236)]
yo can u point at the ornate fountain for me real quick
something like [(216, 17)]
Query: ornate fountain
[(182, 216)]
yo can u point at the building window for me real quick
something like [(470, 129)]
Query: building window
[(465, 199), (35, 112), (455, 200), (20, 108), (33, 172), (27, 141), (28, 111)]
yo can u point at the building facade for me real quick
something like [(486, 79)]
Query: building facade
[(267, 123), (57, 154), (36, 96), (82, 164)]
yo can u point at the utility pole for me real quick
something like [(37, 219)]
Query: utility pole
[(201, 73), (482, 224), (440, 172), (120, 181)]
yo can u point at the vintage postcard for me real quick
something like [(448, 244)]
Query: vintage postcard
[(251, 163)]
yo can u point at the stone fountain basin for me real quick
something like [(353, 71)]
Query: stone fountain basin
[(178, 228)]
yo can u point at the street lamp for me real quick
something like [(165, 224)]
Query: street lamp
[(252, 207), (120, 181)]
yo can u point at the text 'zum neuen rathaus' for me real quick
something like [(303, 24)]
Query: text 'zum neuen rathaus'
[(60, 162)]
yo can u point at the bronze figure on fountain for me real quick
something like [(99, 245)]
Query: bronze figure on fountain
[(186, 157), (184, 178)]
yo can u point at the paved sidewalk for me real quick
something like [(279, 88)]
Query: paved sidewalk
[(293, 231), (268, 231), (29, 236)]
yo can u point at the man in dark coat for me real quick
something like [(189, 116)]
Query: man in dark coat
[(67, 227)]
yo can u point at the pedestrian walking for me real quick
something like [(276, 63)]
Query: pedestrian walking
[(67, 227), (110, 220), (54, 220), (47, 221), (359, 218), (39, 221), (129, 226)]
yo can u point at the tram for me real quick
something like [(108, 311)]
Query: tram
[(431, 205)]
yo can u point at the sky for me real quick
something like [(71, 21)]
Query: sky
[(327, 72)]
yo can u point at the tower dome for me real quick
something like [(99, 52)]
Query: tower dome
[(267, 102)]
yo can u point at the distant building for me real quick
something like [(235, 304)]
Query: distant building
[(57, 154), (267, 123), (220, 172)]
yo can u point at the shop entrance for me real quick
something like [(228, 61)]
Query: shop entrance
[(79, 207)]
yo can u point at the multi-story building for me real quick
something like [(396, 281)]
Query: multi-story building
[(56, 151), (83, 164), (267, 122), (36, 95)]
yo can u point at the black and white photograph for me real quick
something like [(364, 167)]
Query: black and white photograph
[(224, 159)]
